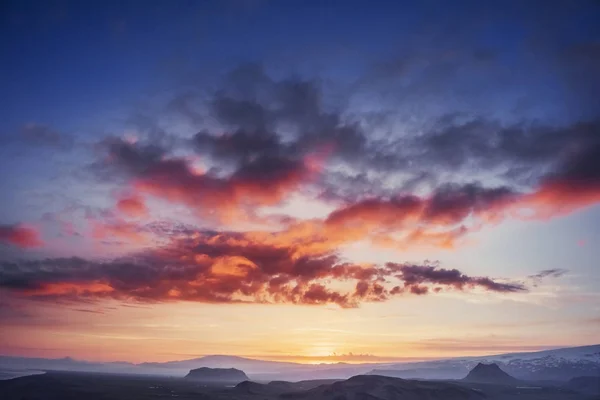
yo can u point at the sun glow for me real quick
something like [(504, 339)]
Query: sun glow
[(323, 351)]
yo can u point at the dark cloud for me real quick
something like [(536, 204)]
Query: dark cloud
[(129, 158), (260, 116), (440, 219), (520, 153), (288, 118), (414, 276), (260, 124), (262, 180), (270, 138), (240, 145), (547, 273), (553, 273), (453, 203), (188, 105)]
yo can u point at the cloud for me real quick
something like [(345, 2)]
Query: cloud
[(438, 219), (523, 156), (272, 139), (20, 236), (256, 115), (43, 135), (451, 210), (547, 273), (265, 132), (132, 206), (552, 273), (118, 229), (266, 180), (414, 276), (233, 267), (266, 175)]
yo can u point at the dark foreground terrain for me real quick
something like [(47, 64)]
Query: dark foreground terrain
[(90, 386)]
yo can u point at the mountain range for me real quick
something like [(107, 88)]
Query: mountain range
[(558, 364)]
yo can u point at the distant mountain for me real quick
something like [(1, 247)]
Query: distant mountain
[(217, 375), (62, 364), (437, 372), (556, 365), (490, 373), (261, 369), (220, 361)]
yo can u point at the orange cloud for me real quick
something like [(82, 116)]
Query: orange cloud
[(132, 206), (446, 216), (265, 183), (118, 229), (71, 289), (558, 198), (21, 236), (265, 180), (438, 220), (235, 267)]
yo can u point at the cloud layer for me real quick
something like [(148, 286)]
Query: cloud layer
[(273, 139), (235, 267)]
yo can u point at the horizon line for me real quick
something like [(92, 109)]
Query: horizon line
[(295, 359)]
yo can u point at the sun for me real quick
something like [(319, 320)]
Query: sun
[(318, 354)]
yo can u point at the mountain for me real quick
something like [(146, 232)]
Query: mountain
[(556, 365), (589, 385), (63, 364), (489, 373), (277, 388), (217, 375), (261, 369), (99, 386), (219, 361), (375, 387)]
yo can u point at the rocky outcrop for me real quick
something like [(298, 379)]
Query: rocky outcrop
[(387, 388), (217, 375), (490, 373)]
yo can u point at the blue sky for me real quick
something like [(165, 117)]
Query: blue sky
[(448, 150)]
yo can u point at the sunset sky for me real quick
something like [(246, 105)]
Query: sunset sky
[(313, 181)]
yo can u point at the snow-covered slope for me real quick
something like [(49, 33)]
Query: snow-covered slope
[(559, 364)]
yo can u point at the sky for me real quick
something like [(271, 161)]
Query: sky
[(306, 181)]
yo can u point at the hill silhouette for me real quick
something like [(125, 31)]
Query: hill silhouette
[(387, 388), (489, 373), (585, 384), (217, 375)]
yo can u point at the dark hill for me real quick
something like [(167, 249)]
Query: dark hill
[(375, 387), (217, 375), (490, 373), (279, 387), (585, 384)]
